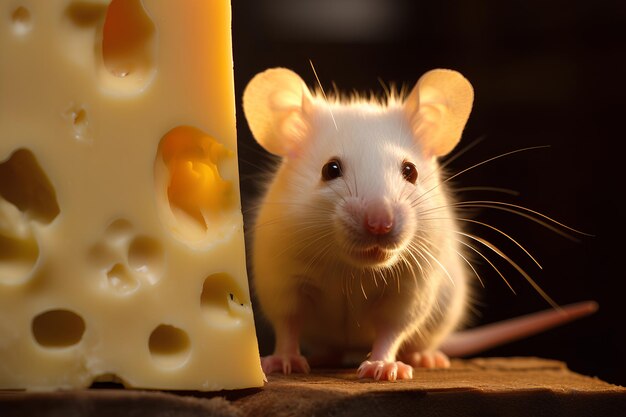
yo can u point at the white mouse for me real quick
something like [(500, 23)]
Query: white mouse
[(355, 245)]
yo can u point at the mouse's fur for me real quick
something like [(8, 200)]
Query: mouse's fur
[(367, 260)]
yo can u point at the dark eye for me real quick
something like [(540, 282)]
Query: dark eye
[(331, 170), (409, 172)]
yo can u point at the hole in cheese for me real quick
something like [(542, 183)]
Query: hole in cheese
[(101, 255), (85, 14), (118, 229), (128, 46), (169, 346), (80, 118), (22, 21), (58, 328), (146, 255), (120, 280), (222, 300), (108, 380), (19, 250), (79, 123), (24, 184), (193, 198)]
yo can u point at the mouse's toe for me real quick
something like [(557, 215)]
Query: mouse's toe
[(385, 370), (285, 364), (427, 359)]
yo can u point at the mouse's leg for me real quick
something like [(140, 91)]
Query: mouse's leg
[(286, 357), (382, 364)]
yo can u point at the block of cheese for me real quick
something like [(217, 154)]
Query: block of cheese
[(121, 239)]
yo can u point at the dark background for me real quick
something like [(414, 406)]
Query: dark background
[(544, 73)]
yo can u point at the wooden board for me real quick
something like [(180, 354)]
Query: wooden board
[(477, 387)]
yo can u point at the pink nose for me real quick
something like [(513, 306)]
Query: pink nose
[(378, 219)]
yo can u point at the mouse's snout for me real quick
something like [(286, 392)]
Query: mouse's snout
[(378, 218), (372, 231)]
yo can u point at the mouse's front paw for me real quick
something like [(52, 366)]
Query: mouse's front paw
[(285, 364), (385, 371)]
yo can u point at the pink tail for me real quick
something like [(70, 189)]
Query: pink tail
[(471, 341)]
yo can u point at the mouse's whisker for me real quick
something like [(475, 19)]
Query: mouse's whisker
[(487, 188), (411, 267), (397, 270), (398, 280), (519, 245), (310, 240), (319, 254), (403, 196), (495, 268), (312, 224), (438, 262), (347, 280), (462, 151), (279, 220), (533, 215), (382, 276), (356, 186), (341, 196), (348, 189), (463, 171), (441, 166), (522, 211), (482, 284), (417, 250), (439, 207), (374, 279), (315, 260), (412, 251), (362, 288), (519, 269), (266, 223)]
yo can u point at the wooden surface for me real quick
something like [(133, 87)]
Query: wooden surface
[(478, 387)]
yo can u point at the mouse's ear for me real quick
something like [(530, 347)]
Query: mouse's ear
[(438, 108), (275, 102)]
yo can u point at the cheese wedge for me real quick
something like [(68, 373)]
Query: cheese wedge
[(121, 237)]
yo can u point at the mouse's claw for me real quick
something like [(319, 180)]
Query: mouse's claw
[(285, 364), (385, 371)]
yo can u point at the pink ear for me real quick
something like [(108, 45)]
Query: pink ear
[(438, 108), (275, 103)]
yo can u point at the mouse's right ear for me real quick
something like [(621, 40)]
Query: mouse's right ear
[(275, 103)]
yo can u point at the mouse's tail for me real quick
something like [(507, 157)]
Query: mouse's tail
[(471, 341)]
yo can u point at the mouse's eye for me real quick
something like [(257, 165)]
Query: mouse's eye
[(409, 172), (331, 170)]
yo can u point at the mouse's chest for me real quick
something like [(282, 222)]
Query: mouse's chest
[(342, 312)]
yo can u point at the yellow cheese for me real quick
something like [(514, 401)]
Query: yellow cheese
[(121, 239)]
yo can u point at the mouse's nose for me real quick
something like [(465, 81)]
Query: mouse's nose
[(378, 219)]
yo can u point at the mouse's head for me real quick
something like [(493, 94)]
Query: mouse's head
[(362, 172)]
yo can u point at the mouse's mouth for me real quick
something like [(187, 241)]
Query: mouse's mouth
[(371, 256)]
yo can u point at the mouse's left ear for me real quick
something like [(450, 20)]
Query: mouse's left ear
[(438, 108)]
